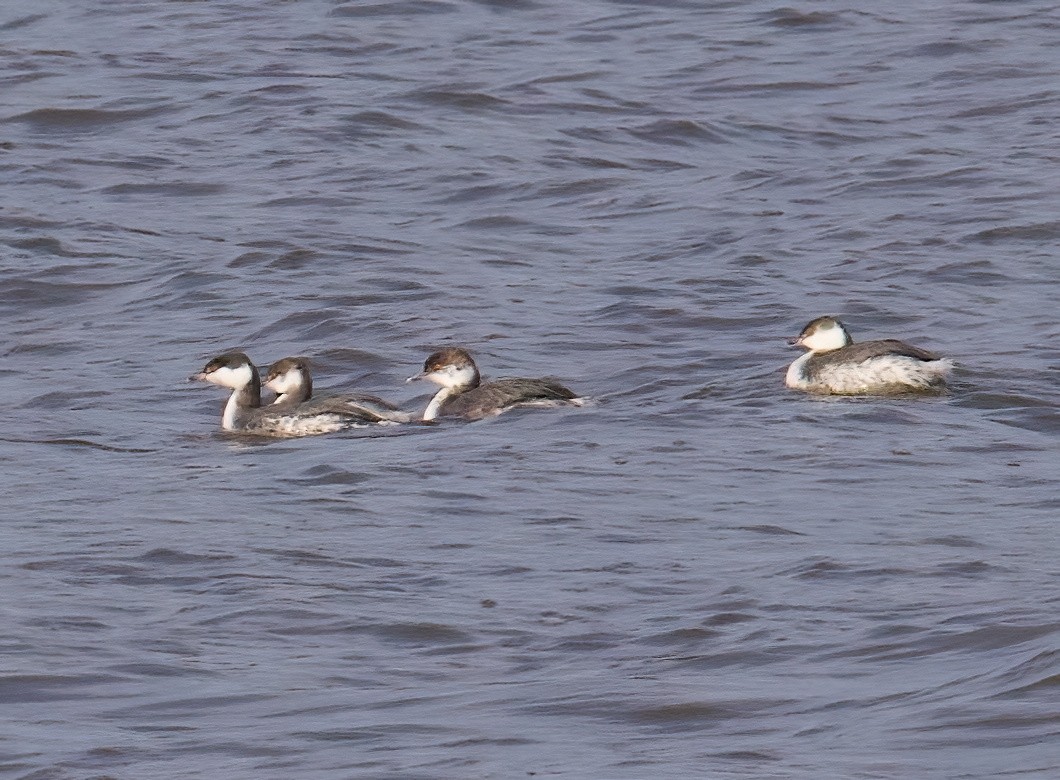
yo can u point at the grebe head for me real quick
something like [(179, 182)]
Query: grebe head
[(823, 334), (451, 368), (232, 370), (290, 375)]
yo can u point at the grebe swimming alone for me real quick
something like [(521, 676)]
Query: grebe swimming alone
[(835, 364)]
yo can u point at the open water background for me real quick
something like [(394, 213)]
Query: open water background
[(703, 575)]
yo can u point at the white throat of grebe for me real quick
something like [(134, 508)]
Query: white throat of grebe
[(232, 377), (287, 382), (453, 378), (824, 335)]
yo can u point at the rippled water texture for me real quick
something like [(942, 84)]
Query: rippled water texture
[(702, 575)]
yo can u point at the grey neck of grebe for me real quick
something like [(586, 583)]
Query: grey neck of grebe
[(249, 395)]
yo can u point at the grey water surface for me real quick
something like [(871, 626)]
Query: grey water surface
[(702, 574)]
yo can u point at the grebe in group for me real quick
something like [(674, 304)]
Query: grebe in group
[(463, 393), (835, 364), (244, 414), (292, 382)]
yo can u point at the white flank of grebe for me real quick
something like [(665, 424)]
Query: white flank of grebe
[(835, 364)]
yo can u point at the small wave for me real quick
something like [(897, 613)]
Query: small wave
[(400, 8), (70, 442), (84, 120)]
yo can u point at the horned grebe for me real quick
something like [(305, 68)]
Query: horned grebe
[(292, 382), (834, 364), (463, 394), (244, 414)]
